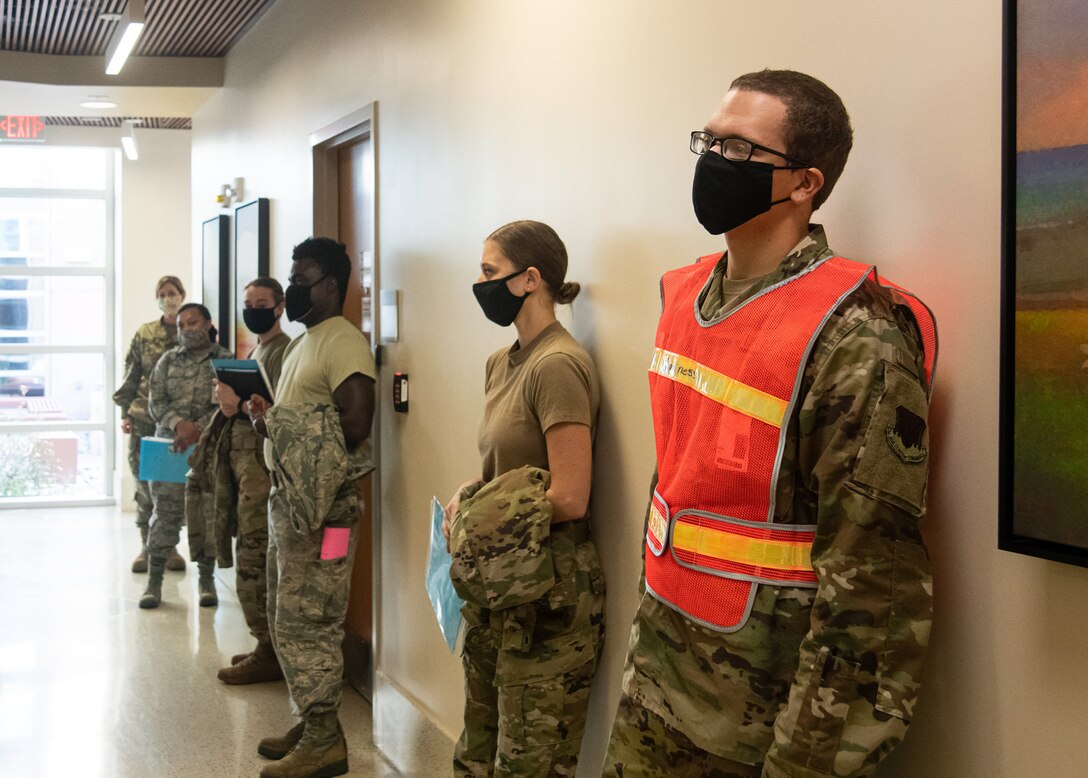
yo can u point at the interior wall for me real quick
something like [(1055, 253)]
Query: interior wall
[(578, 114)]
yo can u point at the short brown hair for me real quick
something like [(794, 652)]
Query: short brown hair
[(817, 128), (534, 244), (267, 282), (170, 280)]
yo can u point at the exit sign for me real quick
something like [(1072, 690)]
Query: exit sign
[(21, 127)]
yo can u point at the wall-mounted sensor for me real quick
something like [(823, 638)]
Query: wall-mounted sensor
[(400, 392)]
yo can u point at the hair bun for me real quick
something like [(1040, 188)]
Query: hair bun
[(567, 292)]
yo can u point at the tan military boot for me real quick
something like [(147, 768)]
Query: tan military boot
[(259, 666), (206, 583), (239, 657), (322, 752), (277, 747), (139, 564), (174, 560)]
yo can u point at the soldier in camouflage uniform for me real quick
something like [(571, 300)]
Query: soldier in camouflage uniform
[(817, 680), (532, 640), (150, 342), (181, 403), (319, 434), (249, 473)]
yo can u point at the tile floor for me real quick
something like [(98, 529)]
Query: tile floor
[(90, 685)]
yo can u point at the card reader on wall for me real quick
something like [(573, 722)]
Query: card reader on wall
[(400, 392)]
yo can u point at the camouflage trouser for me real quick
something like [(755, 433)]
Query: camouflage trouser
[(307, 602), (251, 547), (144, 503), (642, 745), (528, 670), (166, 518)]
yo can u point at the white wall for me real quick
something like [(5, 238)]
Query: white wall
[(577, 113)]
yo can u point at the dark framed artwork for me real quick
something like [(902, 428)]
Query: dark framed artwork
[(1044, 306), (250, 261), (215, 272)]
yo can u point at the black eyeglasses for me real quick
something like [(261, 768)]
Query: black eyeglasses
[(736, 149)]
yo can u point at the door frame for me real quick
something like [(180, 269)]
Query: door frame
[(326, 144)]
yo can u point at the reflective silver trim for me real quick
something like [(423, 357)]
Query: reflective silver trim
[(716, 628)]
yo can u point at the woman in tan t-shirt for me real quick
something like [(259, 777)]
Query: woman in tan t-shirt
[(525, 707)]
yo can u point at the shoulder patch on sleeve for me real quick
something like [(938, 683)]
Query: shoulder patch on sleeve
[(905, 435)]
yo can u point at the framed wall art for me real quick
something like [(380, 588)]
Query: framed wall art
[(1044, 306), (250, 261), (215, 272)]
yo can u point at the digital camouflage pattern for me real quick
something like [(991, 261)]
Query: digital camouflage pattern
[(308, 599), (529, 669), (499, 545), (150, 342), (818, 682), (254, 486), (181, 388), (310, 460), (210, 499)]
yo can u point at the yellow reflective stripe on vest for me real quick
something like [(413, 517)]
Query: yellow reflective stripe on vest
[(718, 387), (729, 547)]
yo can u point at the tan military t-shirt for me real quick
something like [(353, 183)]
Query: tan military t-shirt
[(317, 362), (270, 356), (527, 391)]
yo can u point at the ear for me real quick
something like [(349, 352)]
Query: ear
[(812, 181), (532, 279), (279, 308)]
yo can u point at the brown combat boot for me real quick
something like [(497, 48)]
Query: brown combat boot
[(259, 666), (278, 747), (174, 560), (239, 657), (322, 752), (139, 564), (153, 594)]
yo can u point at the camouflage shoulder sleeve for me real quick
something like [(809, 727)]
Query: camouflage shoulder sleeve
[(130, 385), (158, 402), (862, 464)]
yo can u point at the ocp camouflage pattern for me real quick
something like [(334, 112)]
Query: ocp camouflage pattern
[(820, 682)]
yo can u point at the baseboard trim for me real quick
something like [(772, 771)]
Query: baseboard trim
[(406, 733)]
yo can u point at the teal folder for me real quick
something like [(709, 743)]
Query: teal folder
[(159, 463)]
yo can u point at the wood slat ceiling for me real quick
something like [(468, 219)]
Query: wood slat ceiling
[(175, 28), (143, 122)]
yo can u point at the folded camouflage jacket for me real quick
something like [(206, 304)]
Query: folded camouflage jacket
[(499, 540), (211, 498), (310, 460)]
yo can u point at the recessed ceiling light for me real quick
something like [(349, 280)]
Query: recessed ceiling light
[(98, 101)]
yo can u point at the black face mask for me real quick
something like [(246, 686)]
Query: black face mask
[(297, 300), (259, 320), (498, 302), (726, 193)]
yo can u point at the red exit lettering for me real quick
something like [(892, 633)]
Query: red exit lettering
[(21, 127)]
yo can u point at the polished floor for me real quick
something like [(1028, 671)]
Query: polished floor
[(90, 685)]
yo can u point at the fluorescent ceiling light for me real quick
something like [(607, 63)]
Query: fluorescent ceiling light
[(98, 101), (128, 142), (124, 36)]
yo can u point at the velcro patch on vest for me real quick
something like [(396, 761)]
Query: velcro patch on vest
[(905, 436)]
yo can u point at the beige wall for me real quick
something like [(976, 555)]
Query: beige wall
[(577, 113)]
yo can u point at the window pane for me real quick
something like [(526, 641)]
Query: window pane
[(54, 310), (52, 387), (44, 232), (48, 464), (53, 167)]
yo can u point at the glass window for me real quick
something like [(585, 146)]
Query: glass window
[(52, 464), (53, 167)]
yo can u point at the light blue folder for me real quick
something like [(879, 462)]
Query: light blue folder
[(159, 463), (444, 600)]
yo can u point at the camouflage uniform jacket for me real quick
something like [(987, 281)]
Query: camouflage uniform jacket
[(499, 540), (310, 461), (211, 494), (211, 499), (151, 341), (181, 388), (819, 682)]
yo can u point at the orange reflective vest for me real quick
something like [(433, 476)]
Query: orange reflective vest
[(722, 395)]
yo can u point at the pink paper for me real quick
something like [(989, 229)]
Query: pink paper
[(334, 542)]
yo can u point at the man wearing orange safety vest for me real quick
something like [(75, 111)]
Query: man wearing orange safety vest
[(787, 601)]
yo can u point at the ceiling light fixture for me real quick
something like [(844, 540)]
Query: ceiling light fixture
[(124, 36), (98, 101), (128, 141)]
